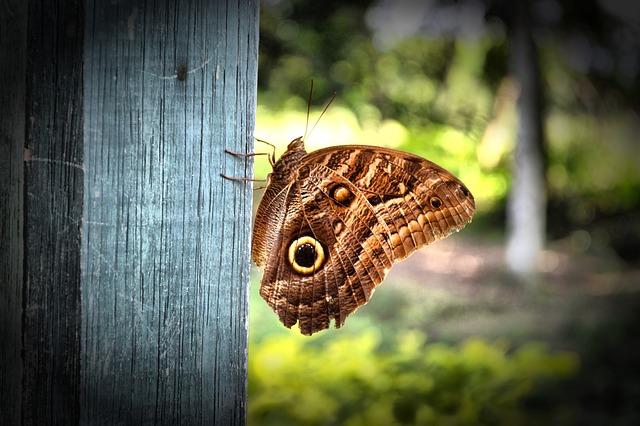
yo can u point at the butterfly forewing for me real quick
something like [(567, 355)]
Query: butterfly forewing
[(402, 188)]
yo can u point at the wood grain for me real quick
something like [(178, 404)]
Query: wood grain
[(125, 256), (13, 47), (165, 241), (53, 213)]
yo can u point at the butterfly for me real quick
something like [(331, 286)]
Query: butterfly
[(332, 222)]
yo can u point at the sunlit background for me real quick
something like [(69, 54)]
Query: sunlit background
[(453, 336)]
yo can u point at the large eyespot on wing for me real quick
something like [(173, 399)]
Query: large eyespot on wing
[(331, 254), (293, 282)]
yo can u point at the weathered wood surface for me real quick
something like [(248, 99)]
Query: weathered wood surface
[(13, 47), (127, 250), (53, 213), (168, 86)]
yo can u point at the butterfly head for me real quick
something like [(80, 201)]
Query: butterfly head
[(289, 162), (296, 145)]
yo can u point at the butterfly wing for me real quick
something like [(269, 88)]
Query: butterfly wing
[(360, 209), (418, 200), (355, 257)]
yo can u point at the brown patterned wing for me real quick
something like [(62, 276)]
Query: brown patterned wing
[(327, 212), (348, 216), (418, 200)]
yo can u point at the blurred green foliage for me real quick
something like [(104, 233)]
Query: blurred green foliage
[(449, 98), (350, 380), (380, 369)]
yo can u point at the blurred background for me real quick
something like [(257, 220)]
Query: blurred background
[(530, 314)]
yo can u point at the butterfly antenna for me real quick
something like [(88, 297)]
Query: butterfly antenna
[(326, 107), (306, 126)]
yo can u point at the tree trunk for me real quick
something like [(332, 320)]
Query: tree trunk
[(526, 210), (136, 251)]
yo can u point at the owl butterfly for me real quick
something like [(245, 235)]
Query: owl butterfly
[(332, 222)]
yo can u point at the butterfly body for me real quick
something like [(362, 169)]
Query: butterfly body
[(332, 222)]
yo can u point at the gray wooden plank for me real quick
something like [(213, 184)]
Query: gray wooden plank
[(13, 47), (168, 86), (53, 211)]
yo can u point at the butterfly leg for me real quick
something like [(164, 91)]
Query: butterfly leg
[(272, 157), (254, 154), (248, 180), (245, 179)]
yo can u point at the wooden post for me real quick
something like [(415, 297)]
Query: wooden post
[(53, 213), (167, 87), (136, 251), (13, 48)]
